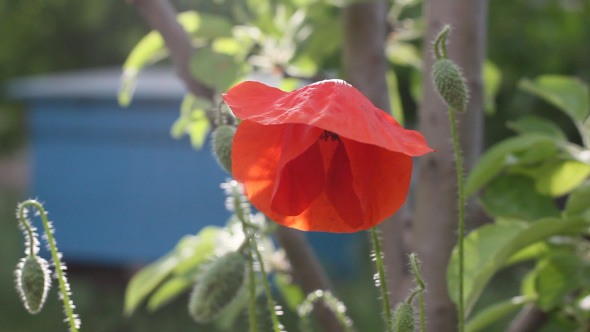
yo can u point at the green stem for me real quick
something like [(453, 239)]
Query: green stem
[(461, 230), (271, 303), (382, 282), (422, 319), (331, 302), (61, 278), (29, 230), (252, 284), (421, 288)]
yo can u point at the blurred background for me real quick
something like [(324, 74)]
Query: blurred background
[(122, 191)]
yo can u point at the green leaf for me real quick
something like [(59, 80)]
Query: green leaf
[(212, 26), (569, 94), (148, 50), (198, 128), (557, 277), (534, 124), (196, 249), (190, 251), (227, 317), (291, 293), (192, 121), (559, 177), (404, 54), (578, 203), (539, 250), (489, 247), (534, 251), (395, 101), (168, 291), (227, 46), (527, 285), (216, 70), (492, 78), (526, 148), (146, 280), (495, 312), (514, 196), (289, 84)]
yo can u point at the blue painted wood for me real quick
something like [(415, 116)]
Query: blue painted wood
[(118, 187)]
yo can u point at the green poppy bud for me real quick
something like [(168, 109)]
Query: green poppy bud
[(403, 318), (450, 84), (223, 138), (33, 282), (217, 287)]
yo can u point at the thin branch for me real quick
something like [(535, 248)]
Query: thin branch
[(365, 66), (530, 319), (161, 16), (308, 273)]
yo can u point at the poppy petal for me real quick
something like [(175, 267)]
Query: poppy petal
[(340, 191), (333, 105), (268, 159), (381, 181), (247, 96), (300, 182)]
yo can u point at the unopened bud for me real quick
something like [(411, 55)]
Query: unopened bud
[(33, 282), (223, 138), (450, 84), (403, 318), (218, 286)]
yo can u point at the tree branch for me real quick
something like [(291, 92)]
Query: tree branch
[(365, 65), (308, 272), (529, 319), (161, 16)]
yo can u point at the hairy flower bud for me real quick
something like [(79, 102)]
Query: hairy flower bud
[(450, 84), (403, 318), (33, 282), (218, 286), (222, 142)]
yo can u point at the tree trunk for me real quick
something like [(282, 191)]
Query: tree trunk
[(365, 66), (435, 221)]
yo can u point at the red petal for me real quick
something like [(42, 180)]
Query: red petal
[(381, 180), (340, 191), (301, 179), (258, 156), (332, 105)]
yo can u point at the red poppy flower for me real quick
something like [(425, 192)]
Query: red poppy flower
[(321, 158)]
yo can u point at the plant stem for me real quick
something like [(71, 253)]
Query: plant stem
[(59, 269), (253, 317), (29, 230), (271, 303), (421, 288), (461, 230), (329, 300), (382, 282)]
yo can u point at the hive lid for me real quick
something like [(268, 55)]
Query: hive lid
[(158, 82)]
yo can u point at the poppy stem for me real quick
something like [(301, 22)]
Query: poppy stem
[(382, 282), (71, 317), (421, 288), (461, 228), (252, 312), (271, 303)]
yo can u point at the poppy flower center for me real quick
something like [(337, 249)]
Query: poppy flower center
[(329, 135)]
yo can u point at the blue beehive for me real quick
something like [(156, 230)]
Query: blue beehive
[(119, 189)]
